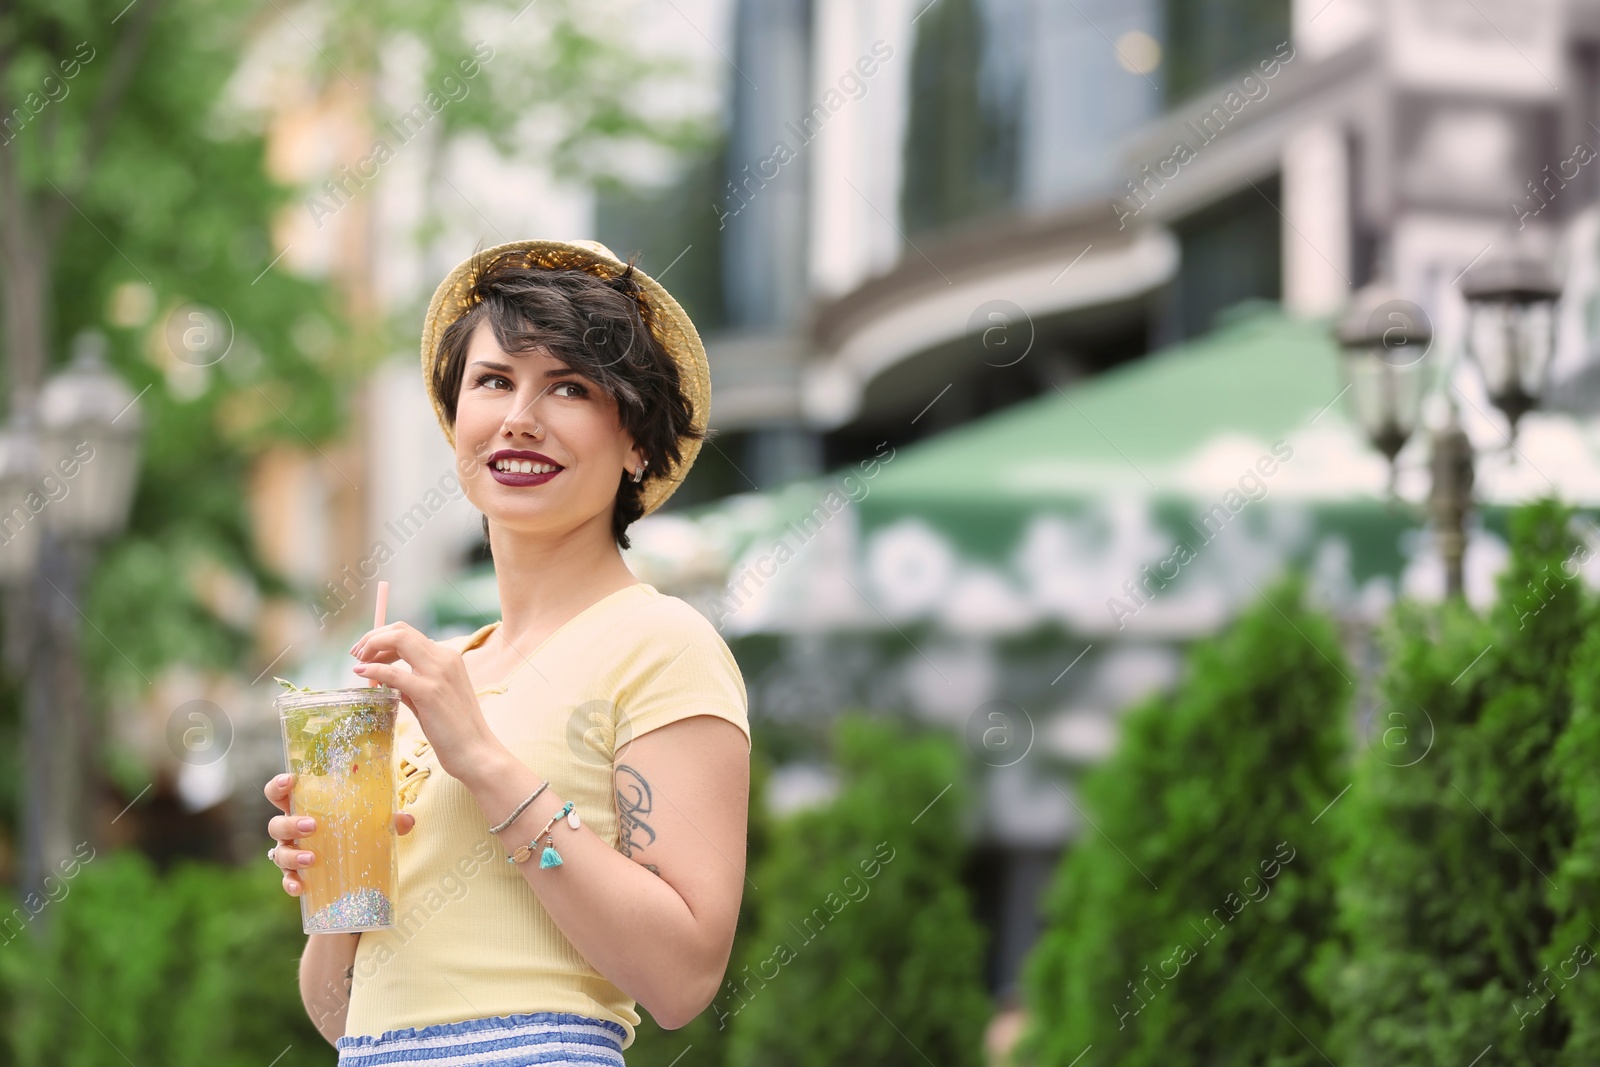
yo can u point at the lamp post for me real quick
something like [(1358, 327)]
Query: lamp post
[(19, 534), (88, 436), (1450, 498), (1383, 346), (1511, 330), (1383, 339)]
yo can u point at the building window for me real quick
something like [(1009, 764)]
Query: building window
[(966, 88), (1211, 40), (1232, 251)]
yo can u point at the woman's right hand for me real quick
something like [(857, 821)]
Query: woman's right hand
[(288, 830)]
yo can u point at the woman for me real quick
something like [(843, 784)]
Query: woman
[(574, 391)]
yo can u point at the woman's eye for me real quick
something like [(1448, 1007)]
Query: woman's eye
[(485, 378), (581, 391)]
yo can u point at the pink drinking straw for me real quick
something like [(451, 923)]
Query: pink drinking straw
[(381, 610)]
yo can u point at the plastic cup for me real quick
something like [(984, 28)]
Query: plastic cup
[(339, 745)]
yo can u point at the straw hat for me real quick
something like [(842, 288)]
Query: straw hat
[(671, 327)]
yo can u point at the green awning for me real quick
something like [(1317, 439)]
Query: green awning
[(1262, 375)]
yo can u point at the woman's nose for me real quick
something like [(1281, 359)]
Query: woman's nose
[(523, 417)]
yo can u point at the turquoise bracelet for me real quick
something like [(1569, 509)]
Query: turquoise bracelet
[(550, 857)]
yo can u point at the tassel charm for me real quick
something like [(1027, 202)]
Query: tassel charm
[(549, 857)]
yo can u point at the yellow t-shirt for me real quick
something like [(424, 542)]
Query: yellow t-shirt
[(471, 939)]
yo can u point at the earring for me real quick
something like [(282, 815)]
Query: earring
[(638, 473)]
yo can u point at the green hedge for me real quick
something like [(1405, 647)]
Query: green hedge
[(198, 967), (866, 952)]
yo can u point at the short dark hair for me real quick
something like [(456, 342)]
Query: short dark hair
[(599, 326)]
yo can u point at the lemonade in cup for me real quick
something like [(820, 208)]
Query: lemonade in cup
[(338, 744)]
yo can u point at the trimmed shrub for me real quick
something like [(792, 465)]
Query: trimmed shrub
[(1179, 926), (867, 951), (1449, 899)]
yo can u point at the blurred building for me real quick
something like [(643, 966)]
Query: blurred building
[(1115, 178)]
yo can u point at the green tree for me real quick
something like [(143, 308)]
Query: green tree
[(122, 206), (1179, 927), (134, 198), (138, 176), (126, 205), (866, 950), (1450, 901)]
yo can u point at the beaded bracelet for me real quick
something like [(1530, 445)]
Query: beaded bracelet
[(520, 808), (550, 858)]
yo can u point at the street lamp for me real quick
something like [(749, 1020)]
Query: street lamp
[(1511, 330), (1511, 308), (1383, 341), (89, 425)]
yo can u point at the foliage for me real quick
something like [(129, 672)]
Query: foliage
[(151, 221), (1462, 883), (198, 967), (866, 950), (1576, 888), (1178, 928), (138, 200)]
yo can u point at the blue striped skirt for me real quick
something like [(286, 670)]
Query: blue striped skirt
[(542, 1037)]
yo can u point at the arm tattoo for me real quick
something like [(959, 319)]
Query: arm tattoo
[(634, 802)]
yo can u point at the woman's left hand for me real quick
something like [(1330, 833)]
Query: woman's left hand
[(437, 689)]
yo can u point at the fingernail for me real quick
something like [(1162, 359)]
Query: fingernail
[(360, 668), (306, 825), (305, 857), (283, 779)]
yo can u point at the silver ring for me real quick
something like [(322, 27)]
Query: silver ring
[(272, 855)]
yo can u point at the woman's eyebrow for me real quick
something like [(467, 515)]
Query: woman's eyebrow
[(560, 372)]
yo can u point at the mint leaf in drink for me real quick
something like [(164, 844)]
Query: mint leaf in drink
[(291, 686)]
